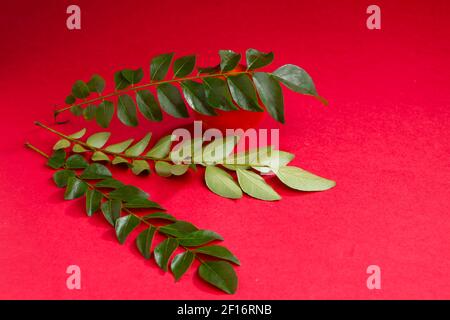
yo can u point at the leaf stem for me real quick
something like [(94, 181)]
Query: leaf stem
[(30, 146), (123, 155), (106, 196), (146, 85)]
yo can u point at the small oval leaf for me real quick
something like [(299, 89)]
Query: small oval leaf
[(144, 241), (255, 186), (303, 180), (93, 201), (139, 147), (126, 111), (160, 65), (220, 274), (148, 106), (125, 225), (171, 101), (164, 251), (183, 66), (181, 263), (161, 149), (98, 140), (221, 183), (243, 92)]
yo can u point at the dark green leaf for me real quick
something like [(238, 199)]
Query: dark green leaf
[(178, 229), (257, 59), (171, 101), (96, 84), (160, 65), (128, 193), (111, 210), (80, 89), (76, 110), (183, 66), (93, 201), (243, 92), (181, 263), (194, 93), (89, 112), (228, 60), (198, 238), (76, 162), (57, 159), (126, 111), (218, 252), (95, 171), (217, 94), (220, 274), (159, 215), (104, 113), (163, 252), (133, 76), (161, 149), (209, 70), (148, 106), (144, 241), (76, 188), (62, 176), (269, 91), (125, 225), (142, 204), (296, 79), (109, 183), (120, 81), (70, 99)]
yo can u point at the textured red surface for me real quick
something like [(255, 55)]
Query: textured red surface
[(384, 139)]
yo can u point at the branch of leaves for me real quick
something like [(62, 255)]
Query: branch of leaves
[(217, 156), (222, 87), (115, 199)]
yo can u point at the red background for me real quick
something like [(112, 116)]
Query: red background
[(384, 139)]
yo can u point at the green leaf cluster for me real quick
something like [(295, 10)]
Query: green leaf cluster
[(183, 242), (226, 86), (221, 162)]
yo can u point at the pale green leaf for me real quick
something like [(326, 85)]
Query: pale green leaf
[(139, 147), (161, 149), (119, 147), (139, 166), (303, 180), (98, 140), (255, 186), (221, 183), (61, 144)]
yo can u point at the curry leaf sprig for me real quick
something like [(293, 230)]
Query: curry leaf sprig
[(226, 87), (217, 157), (117, 200)]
